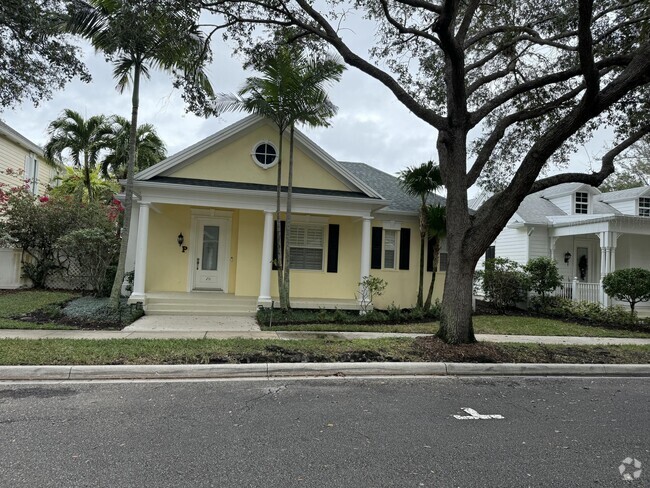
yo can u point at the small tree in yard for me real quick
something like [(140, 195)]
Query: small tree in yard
[(370, 287), (543, 276), (631, 285), (504, 283)]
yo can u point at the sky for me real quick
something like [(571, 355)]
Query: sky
[(371, 125)]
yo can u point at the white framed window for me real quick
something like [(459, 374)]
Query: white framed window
[(31, 172), (390, 248), (307, 246), (265, 154), (582, 202), (644, 207)]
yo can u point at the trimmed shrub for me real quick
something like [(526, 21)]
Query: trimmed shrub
[(503, 282), (543, 276), (631, 285)]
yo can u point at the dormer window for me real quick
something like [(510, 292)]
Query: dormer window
[(644, 207), (582, 202)]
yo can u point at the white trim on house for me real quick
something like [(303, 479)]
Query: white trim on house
[(178, 194)]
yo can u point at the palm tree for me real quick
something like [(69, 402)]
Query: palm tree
[(137, 36), (436, 230), (81, 139), (421, 182), (150, 148), (74, 184), (290, 91)]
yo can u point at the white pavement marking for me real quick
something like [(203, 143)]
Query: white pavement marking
[(474, 415)]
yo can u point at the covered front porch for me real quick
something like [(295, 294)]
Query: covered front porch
[(209, 254), (589, 249)]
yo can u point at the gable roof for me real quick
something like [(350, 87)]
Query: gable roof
[(389, 187), (16, 137), (568, 188), (210, 143)]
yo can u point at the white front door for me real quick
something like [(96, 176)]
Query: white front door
[(211, 254)]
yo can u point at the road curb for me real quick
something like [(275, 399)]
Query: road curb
[(288, 370)]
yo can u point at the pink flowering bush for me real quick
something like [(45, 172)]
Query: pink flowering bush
[(41, 227)]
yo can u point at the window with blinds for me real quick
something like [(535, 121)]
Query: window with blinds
[(306, 243), (31, 172), (390, 246)]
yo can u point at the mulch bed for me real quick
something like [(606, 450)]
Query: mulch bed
[(42, 317)]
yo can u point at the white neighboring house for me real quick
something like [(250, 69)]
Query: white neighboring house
[(20, 154), (587, 232)]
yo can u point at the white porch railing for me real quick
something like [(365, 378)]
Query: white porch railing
[(579, 291)]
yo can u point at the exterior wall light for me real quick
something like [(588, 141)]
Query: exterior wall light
[(180, 239), (567, 257)]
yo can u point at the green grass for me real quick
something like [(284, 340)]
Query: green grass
[(21, 302), (204, 351), (483, 324), (517, 325)]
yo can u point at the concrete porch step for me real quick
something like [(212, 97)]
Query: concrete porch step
[(184, 312)]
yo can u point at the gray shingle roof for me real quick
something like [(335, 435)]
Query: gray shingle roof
[(630, 193), (388, 186), (535, 208)]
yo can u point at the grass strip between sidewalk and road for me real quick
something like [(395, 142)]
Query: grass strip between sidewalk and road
[(210, 351), (483, 324)]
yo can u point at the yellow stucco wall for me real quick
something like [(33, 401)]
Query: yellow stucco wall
[(233, 162), (167, 267), (402, 285)]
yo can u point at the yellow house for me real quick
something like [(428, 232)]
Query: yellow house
[(20, 160), (203, 228)]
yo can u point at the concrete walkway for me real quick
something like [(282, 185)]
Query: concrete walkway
[(251, 334), (194, 323)]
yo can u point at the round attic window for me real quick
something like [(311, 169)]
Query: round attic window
[(265, 155)]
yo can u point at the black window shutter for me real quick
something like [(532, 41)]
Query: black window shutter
[(375, 255), (333, 248), (430, 256), (275, 241), (404, 248)]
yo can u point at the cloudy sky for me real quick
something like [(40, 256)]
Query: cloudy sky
[(371, 125)]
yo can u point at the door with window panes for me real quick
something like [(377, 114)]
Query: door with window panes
[(210, 259)]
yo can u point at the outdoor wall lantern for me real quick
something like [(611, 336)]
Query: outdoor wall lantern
[(567, 256), (180, 239)]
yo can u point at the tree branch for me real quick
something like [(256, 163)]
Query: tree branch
[(596, 178), (542, 81), (499, 131), (402, 29)]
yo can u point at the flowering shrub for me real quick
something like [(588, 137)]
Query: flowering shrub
[(38, 226)]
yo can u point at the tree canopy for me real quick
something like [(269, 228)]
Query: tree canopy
[(532, 78), (35, 58)]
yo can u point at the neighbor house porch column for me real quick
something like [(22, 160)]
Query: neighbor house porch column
[(264, 299), (141, 254), (366, 230)]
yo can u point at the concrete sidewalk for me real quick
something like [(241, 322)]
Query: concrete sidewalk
[(251, 334)]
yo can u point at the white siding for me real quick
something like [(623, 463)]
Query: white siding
[(512, 244), (627, 207), (639, 251), (538, 244)]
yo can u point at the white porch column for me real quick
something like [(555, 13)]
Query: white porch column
[(264, 299), (602, 237), (366, 229), (141, 255)]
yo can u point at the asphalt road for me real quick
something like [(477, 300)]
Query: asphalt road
[(555, 432)]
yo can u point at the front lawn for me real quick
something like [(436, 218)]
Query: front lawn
[(18, 303), (483, 324), (210, 351)]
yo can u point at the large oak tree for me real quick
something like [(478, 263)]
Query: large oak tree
[(532, 78)]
